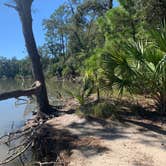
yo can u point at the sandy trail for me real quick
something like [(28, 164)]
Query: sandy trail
[(133, 143)]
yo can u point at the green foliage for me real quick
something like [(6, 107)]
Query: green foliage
[(104, 110), (99, 110), (77, 95), (154, 11), (120, 48), (138, 66), (159, 36), (72, 33), (11, 68), (83, 92), (92, 72)]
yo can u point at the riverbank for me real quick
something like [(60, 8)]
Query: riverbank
[(87, 141), (133, 134)]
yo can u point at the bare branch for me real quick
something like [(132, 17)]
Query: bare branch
[(11, 6), (18, 93), (44, 163)]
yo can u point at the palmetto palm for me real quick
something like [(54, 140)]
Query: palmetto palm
[(139, 66), (120, 67), (159, 37)]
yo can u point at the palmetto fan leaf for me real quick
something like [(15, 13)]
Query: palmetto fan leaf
[(161, 71), (159, 36), (138, 66), (136, 50), (153, 55), (119, 69)]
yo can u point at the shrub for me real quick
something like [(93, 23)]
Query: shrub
[(104, 110)]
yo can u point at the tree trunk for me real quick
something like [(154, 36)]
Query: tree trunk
[(98, 94), (24, 10), (110, 5)]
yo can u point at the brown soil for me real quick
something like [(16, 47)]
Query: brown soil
[(90, 141)]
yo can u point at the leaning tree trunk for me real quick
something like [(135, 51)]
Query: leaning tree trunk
[(24, 10), (110, 4)]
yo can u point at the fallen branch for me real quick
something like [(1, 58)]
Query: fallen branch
[(17, 93), (44, 163)]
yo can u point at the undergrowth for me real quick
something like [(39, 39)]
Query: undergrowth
[(100, 110)]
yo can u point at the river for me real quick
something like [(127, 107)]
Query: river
[(14, 113)]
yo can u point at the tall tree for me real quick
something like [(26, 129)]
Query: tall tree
[(154, 11), (23, 7), (72, 32)]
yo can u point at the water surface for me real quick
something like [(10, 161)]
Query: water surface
[(14, 113)]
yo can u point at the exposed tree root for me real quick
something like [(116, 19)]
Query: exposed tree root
[(33, 135), (24, 137)]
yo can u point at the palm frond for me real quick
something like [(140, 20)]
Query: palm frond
[(159, 36)]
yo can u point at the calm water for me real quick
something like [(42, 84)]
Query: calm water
[(14, 113)]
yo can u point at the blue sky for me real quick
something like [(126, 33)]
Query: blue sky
[(11, 38)]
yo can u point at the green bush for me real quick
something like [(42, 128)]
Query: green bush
[(104, 110)]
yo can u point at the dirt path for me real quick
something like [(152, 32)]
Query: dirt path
[(100, 143)]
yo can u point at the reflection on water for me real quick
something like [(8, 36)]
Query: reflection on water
[(11, 111), (14, 113)]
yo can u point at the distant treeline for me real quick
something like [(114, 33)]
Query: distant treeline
[(12, 68)]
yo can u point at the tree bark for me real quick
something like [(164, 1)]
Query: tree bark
[(24, 11), (98, 94), (17, 93), (110, 4)]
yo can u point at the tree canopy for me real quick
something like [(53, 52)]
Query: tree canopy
[(121, 46)]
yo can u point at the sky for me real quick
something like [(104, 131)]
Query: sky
[(11, 37)]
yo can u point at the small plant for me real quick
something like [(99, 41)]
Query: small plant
[(104, 110), (83, 92)]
